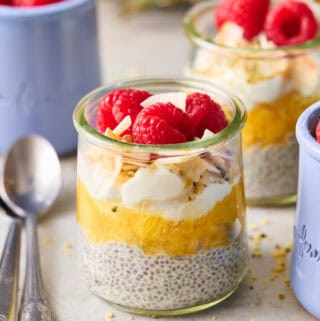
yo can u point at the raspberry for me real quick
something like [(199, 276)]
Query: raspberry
[(205, 114), (291, 23), (5, 3), (105, 117), (318, 132), (222, 12), (248, 14), (32, 3), (118, 104), (161, 123)]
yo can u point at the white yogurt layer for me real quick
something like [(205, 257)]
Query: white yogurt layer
[(183, 209), (158, 190), (256, 81), (152, 185), (99, 181)]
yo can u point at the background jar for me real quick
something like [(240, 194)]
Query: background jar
[(171, 252), (49, 60), (275, 85), (305, 262)]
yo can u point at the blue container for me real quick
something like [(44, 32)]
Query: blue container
[(49, 60), (305, 264)]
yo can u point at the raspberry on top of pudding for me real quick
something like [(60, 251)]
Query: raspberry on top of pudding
[(168, 118), (288, 23)]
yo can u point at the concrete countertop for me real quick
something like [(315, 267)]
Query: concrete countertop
[(153, 43)]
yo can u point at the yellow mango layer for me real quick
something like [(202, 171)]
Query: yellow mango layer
[(106, 221), (272, 123)]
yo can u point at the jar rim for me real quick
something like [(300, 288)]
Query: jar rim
[(86, 130), (202, 41)]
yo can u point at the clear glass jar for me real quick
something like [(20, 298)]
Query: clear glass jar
[(275, 85), (162, 226)]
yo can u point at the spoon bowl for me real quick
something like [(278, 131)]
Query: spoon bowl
[(31, 176)]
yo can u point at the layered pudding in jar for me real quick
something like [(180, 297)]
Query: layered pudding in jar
[(268, 54), (160, 201)]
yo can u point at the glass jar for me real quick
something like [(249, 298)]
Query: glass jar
[(275, 85), (162, 226)]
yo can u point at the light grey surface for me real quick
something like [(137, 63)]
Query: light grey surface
[(152, 43)]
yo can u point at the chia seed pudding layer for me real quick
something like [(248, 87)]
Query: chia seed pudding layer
[(271, 171), (125, 275)]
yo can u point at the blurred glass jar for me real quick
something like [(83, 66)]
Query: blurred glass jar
[(162, 226), (275, 84), (134, 5)]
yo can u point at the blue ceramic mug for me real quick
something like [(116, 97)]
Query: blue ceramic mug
[(49, 60), (305, 264)]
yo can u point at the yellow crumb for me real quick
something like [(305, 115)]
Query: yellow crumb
[(286, 280), (288, 247), (67, 245), (278, 269), (214, 318), (47, 241), (111, 134), (273, 277), (254, 320), (258, 253), (279, 253), (253, 277), (253, 227), (281, 296), (265, 221), (109, 315)]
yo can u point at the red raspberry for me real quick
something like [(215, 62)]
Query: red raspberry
[(205, 114), (248, 14), (318, 132), (5, 3), (32, 3), (291, 23), (222, 12), (161, 123), (105, 117), (118, 104)]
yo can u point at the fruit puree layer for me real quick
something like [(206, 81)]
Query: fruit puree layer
[(282, 113), (106, 221)]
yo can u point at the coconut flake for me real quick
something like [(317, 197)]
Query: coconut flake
[(178, 99)]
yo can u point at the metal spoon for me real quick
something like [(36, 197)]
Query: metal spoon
[(32, 181), (9, 268)]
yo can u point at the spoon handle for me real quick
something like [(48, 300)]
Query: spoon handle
[(9, 273), (34, 303)]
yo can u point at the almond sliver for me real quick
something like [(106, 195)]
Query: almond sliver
[(123, 126)]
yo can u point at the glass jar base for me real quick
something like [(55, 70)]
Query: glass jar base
[(275, 201), (175, 312)]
